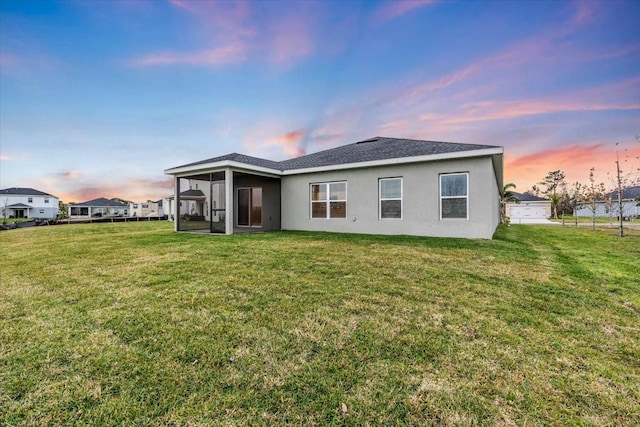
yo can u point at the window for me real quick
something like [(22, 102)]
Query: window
[(79, 211), (390, 198), (46, 200), (454, 196), (329, 200), (41, 211), (30, 200)]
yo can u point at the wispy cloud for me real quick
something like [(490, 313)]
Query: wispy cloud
[(289, 39), (505, 110), (574, 160), (15, 64), (390, 10), (235, 32), (4, 157), (79, 186), (222, 55), (68, 175), (290, 143)]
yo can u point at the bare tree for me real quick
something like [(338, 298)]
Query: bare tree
[(593, 194), (622, 180), (576, 197)]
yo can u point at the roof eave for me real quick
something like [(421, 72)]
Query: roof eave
[(183, 171)]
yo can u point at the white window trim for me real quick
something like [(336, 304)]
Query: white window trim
[(328, 200), (440, 196), (380, 199)]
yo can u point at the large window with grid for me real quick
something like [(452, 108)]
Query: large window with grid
[(329, 200), (390, 191), (454, 196)]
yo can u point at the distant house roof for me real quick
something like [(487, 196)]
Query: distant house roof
[(23, 191), (526, 197), (101, 202), (190, 194), (629, 193), (370, 150)]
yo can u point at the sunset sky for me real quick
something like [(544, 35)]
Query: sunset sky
[(97, 98)]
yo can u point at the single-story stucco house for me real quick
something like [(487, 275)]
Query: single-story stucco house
[(19, 202), (609, 207), (100, 207), (378, 186), (528, 207)]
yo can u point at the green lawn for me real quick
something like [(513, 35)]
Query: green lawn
[(132, 324)]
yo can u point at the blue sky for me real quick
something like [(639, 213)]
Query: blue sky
[(97, 98)]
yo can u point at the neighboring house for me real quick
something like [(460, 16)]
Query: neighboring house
[(609, 207), (27, 203), (528, 207), (192, 204), (379, 186), (100, 207), (149, 208)]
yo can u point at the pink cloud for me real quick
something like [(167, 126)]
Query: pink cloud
[(575, 160), (135, 189), (231, 32), (290, 143), (228, 18), (289, 40), (394, 9), (504, 110), (222, 55), (5, 157)]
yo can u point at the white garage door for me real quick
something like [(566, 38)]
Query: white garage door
[(528, 212)]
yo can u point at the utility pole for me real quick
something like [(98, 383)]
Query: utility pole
[(620, 216)]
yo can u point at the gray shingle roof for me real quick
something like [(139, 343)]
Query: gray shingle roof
[(241, 158), (378, 148), (629, 193), (192, 193), (101, 202), (23, 191), (525, 197)]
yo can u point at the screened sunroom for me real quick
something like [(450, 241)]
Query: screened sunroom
[(226, 200)]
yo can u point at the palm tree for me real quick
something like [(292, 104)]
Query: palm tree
[(556, 199), (507, 196)]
